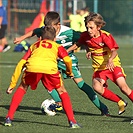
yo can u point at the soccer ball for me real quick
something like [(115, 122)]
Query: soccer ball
[(46, 107)]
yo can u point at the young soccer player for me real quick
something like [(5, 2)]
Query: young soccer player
[(3, 26), (41, 65), (66, 37), (102, 48)]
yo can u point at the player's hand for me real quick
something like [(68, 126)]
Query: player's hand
[(70, 75), (88, 55), (110, 65), (17, 40), (9, 90)]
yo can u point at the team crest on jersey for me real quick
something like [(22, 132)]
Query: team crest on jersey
[(101, 44), (63, 41)]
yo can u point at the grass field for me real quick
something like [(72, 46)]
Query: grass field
[(28, 117)]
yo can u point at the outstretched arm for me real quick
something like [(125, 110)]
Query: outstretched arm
[(73, 47), (18, 40), (18, 71)]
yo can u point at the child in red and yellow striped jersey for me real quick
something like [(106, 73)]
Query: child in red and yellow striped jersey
[(41, 65), (102, 48)]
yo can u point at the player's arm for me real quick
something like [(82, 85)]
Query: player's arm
[(88, 52), (16, 76), (18, 40), (110, 64), (17, 72), (68, 62), (113, 46), (73, 47), (37, 32), (62, 53)]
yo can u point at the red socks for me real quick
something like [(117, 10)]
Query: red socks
[(131, 96), (110, 95), (67, 106), (16, 100), (113, 97)]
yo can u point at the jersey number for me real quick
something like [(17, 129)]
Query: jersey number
[(46, 44)]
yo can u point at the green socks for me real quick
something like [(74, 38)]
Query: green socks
[(54, 94), (92, 95), (88, 90)]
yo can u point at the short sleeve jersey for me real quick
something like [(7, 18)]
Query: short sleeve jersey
[(66, 37), (42, 57), (100, 49)]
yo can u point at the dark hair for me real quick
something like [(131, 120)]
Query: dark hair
[(48, 33), (96, 18), (51, 18)]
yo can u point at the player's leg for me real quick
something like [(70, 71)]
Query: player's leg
[(101, 88), (91, 95), (67, 105), (2, 34), (6, 46), (55, 96), (3, 41), (119, 79), (88, 90), (83, 86), (28, 79), (121, 82), (16, 100), (51, 81)]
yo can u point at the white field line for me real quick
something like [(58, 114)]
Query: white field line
[(10, 65)]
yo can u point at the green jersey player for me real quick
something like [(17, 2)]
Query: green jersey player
[(66, 37)]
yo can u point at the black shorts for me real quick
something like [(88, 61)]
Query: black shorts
[(3, 31)]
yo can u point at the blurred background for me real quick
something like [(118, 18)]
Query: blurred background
[(25, 15)]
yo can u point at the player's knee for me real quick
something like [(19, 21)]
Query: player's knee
[(80, 84), (61, 90)]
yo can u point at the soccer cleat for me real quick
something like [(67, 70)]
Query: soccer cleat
[(8, 122), (56, 107), (6, 48), (122, 104), (105, 112), (74, 125)]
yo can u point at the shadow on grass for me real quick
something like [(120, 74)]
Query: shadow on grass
[(2, 120), (35, 110)]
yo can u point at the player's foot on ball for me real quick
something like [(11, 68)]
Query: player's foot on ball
[(56, 107), (122, 104), (74, 125), (8, 122), (59, 108)]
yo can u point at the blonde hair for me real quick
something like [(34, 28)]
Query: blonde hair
[(96, 18)]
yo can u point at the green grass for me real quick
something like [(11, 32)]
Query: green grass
[(28, 118)]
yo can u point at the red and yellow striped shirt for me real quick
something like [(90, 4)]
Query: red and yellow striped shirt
[(100, 49), (41, 57)]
